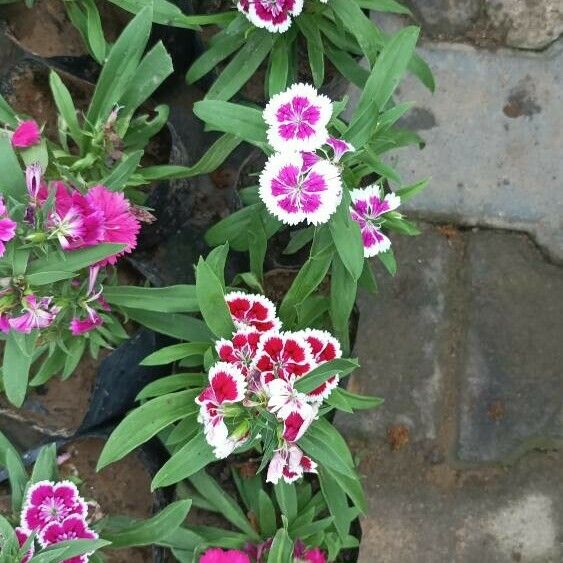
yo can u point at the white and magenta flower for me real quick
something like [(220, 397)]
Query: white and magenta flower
[(252, 311), (240, 350), (289, 463), (38, 313), (7, 227), (273, 15), (368, 209), (71, 528), (284, 400), (227, 386), (294, 193), (325, 348), (23, 536), (339, 148), (298, 119), (27, 134), (283, 356), (47, 502), (34, 181)]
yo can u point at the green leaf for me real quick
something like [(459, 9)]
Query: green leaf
[(165, 13), (176, 352), (65, 107), (172, 299), (409, 191), (242, 66), (384, 6), (153, 530), (143, 423), (212, 301), (67, 549), (12, 181), (242, 121), (299, 239), (266, 515), (94, 32), (118, 178), (18, 477), (286, 495), (172, 383), (343, 291), (282, 548), (45, 467), (217, 259), (7, 114), (319, 375), (310, 30), (347, 66), (388, 260), (350, 402), (279, 66), (336, 501), (18, 356), (187, 461)]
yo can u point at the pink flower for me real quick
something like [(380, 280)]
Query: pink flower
[(34, 180), (297, 423), (80, 326), (368, 209), (93, 319), (273, 15), (26, 135), (227, 386), (283, 356), (4, 323), (119, 223), (71, 528), (298, 119), (303, 555), (289, 463), (7, 227), (240, 350), (252, 311), (294, 194), (37, 314), (47, 502), (285, 400), (339, 148), (325, 348), (216, 555), (23, 536)]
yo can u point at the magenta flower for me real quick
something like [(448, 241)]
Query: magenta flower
[(252, 311), (71, 528), (339, 147), (93, 319), (289, 463), (7, 227), (80, 326), (294, 194), (47, 502), (23, 536), (216, 555), (227, 386), (119, 222), (38, 313), (240, 350), (298, 119), (34, 181), (368, 209), (273, 15), (302, 554), (26, 135), (4, 323)]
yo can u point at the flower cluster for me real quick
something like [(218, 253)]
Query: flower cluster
[(256, 373), (302, 180), (54, 512)]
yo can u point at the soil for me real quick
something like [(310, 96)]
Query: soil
[(46, 30)]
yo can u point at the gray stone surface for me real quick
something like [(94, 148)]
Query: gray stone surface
[(449, 16), (494, 137), (527, 24), (464, 345), (512, 378)]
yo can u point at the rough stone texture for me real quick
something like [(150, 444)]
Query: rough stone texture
[(449, 16), (494, 151), (512, 380), (528, 24), (473, 319)]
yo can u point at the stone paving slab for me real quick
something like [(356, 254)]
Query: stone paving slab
[(494, 138)]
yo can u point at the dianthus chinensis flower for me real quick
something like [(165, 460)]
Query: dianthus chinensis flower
[(37, 313), (27, 134), (7, 227), (273, 15), (368, 209)]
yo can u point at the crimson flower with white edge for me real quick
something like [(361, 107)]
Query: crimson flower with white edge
[(289, 463), (294, 192), (252, 311), (368, 208), (240, 350), (273, 15), (298, 119)]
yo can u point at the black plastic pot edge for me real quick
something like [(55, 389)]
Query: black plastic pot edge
[(151, 454)]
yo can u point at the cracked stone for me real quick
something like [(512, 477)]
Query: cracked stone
[(445, 16)]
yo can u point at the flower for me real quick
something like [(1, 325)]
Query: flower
[(47, 502), (7, 227), (284, 356), (23, 536), (227, 386), (339, 147), (216, 555), (273, 15), (293, 193), (119, 223), (240, 350), (252, 311), (303, 555), (297, 423), (325, 348), (72, 528), (26, 135), (298, 119), (368, 208), (289, 463), (93, 319), (38, 313), (33, 181), (284, 400)]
